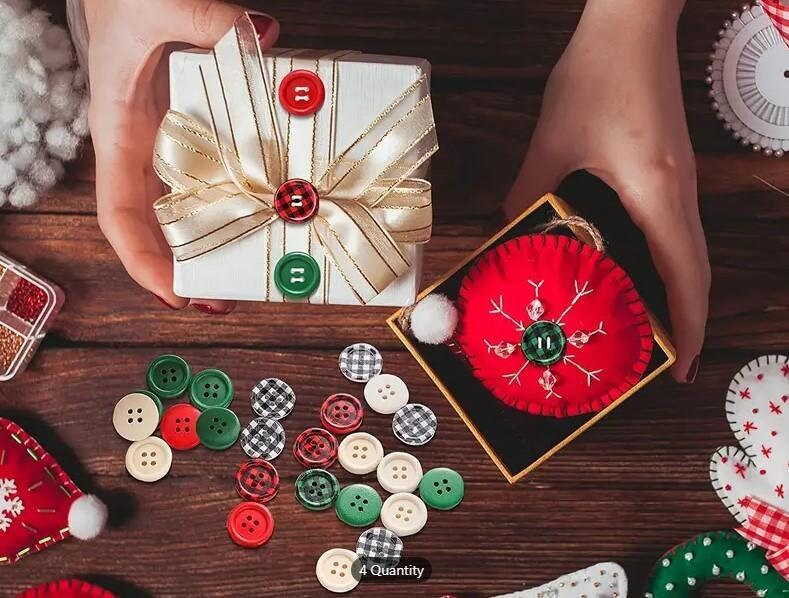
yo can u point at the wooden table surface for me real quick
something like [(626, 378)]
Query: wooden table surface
[(625, 491)]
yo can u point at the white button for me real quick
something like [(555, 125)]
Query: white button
[(135, 417), (149, 460), (399, 472), (404, 514), (385, 393), (360, 453), (333, 570)]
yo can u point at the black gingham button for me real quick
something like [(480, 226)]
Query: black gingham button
[(379, 546), (414, 424), (360, 362), (263, 438), (272, 398)]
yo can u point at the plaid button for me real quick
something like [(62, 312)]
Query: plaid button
[(315, 447), (414, 424), (316, 489), (296, 200), (257, 480), (379, 546), (360, 362), (272, 398), (263, 438), (543, 342), (342, 413)]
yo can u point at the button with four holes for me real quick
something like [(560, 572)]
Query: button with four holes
[(399, 472), (442, 488), (149, 460), (218, 428), (316, 489), (404, 514), (296, 200), (257, 480), (301, 93), (297, 275), (358, 505), (342, 413), (315, 447), (385, 393), (335, 570), (250, 524), (168, 376), (414, 424), (179, 426), (211, 388), (136, 416), (360, 453)]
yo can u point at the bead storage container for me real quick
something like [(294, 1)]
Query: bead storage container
[(28, 304)]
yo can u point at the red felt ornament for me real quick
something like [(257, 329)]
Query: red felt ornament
[(66, 588)]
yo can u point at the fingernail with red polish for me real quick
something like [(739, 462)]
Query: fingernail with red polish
[(205, 308), (162, 301), (693, 370), (262, 23)]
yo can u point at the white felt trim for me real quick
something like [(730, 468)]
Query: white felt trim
[(610, 577)]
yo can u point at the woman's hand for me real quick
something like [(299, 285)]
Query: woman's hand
[(129, 96), (613, 106)]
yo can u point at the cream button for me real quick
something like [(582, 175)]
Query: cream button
[(404, 514), (333, 570), (135, 416), (149, 460), (385, 393), (399, 472), (360, 453)]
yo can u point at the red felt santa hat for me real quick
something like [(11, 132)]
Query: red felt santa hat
[(39, 503)]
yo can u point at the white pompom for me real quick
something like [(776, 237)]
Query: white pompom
[(87, 517), (434, 319), (23, 195)]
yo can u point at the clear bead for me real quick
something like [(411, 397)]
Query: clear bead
[(504, 350), (547, 380), (578, 339), (535, 309)]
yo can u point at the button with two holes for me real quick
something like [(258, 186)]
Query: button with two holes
[(168, 376), (218, 428), (316, 489), (301, 93), (297, 275), (296, 200), (211, 388), (358, 505)]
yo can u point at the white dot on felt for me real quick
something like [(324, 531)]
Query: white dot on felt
[(434, 319), (87, 517)]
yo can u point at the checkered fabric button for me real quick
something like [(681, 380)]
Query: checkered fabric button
[(257, 480), (414, 424), (543, 342), (342, 413), (272, 398), (379, 546), (360, 362), (316, 489), (263, 438), (296, 200), (315, 447)]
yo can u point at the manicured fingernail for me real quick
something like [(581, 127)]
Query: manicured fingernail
[(262, 23), (162, 301), (693, 370), (209, 309)]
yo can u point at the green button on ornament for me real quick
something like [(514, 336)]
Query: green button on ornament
[(218, 428), (441, 488), (297, 275), (358, 505), (211, 388), (543, 342), (168, 376), (316, 489)]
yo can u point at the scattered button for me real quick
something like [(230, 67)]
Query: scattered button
[(442, 488), (263, 438), (250, 524), (316, 489), (404, 514), (218, 428), (385, 393), (342, 413), (296, 200), (358, 505), (301, 93), (135, 416), (543, 342), (168, 376), (272, 398), (315, 447), (379, 546), (179, 426), (334, 570), (297, 275), (399, 472), (360, 453), (360, 362), (149, 460), (257, 480), (414, 424), (211, 388)]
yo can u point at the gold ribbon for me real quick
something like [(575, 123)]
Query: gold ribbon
[(223, 180)]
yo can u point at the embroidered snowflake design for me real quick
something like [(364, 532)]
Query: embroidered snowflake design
[(10, 506), (543, 342)]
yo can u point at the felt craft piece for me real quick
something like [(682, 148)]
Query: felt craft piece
[(66, 588), (552, 326), (604, 580)]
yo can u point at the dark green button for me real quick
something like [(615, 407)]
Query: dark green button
[(297, 275), (155, 399), (358, 505), (543, 342), (218, 428), (316, 489), (168, 376), (442, 488), (211, 388)]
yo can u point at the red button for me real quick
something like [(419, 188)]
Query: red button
[(315, 447), (179, 426), (257, 480), (342, 413), (301, 93), (250, 524), (296, 200)]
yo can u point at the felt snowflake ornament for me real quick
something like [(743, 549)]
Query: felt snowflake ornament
[(66, 588), (39, 503), (604, 580), (43, 103)]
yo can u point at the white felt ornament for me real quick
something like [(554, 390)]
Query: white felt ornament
[(433, 319), (604, 580)]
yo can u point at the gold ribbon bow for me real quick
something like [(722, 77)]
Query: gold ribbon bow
[(224, 179)]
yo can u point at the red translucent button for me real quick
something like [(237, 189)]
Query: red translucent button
[(179, 426), (342, 413), (296, 200), (257, 480), (315, 447), (250, 524), (301, 93)]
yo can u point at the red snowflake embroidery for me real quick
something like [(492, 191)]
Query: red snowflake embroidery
[(739, 469), (779, 490), (785, 369), (775, 408), (745, 394), (749, 427), (740, 501), (766, 451)]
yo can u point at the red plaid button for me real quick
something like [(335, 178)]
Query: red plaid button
[(315, 447), (301, 93), (296, 200), (257, 480), (342, 413)]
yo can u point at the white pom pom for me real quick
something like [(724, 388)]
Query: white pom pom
[(87, 517), (23, 195), (7, 174), (434, 319)]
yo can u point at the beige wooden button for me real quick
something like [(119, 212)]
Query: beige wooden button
[(333, 570), (404, 514), (149, 460), (360, 453), (135, 416), (385, 393), (399, 472)]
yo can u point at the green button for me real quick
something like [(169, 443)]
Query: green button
[(297, 275), (218, 428), (211, 388), (358, 505), (168, 376), (543, 342), (155, 399), (316, 489), (441, 488)]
